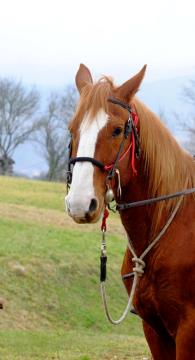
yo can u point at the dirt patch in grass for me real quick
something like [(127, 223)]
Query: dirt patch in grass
[(34, 215)]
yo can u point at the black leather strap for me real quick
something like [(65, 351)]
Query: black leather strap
[(95, 162), (130, 126), (120, 103), (154, 200)]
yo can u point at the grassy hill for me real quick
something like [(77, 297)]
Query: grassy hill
[(49, 281)]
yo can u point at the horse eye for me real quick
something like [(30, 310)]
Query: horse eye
[(117, 131)]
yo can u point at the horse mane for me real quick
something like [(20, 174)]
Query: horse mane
[(168, 166)]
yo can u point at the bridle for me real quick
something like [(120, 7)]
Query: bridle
[(111, 169), (130, 128)]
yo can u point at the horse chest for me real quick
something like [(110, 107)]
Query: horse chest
[(144, 300), (158, 301)]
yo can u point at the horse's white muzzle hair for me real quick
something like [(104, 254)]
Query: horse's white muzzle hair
[(81, 201)]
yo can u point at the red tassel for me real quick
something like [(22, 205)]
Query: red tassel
[(105, 216)]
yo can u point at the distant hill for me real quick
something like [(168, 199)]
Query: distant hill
[(159, 95)]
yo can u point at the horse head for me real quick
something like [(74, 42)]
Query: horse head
[(99, 138)]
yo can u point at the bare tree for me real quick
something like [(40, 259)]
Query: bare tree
[(17, 109), (163, 116), (189, 93), (68, 103), (52, 135), (189, 126)]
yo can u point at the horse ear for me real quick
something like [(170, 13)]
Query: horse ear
[(131, 86), (83, 77)]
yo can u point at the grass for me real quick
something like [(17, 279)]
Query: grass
[(49, 281), (70, 345), (43, 195)]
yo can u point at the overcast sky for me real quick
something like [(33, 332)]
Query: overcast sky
[(43, 41)]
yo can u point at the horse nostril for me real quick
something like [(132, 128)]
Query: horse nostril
[(93, 205)]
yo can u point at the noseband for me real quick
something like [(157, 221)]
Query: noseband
[(130, 128)]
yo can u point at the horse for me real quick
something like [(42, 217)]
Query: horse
[(139, 160)]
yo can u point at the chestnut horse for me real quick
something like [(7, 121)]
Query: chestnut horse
[(165, 295)]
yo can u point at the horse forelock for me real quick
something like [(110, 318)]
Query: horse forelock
[(94, 97)]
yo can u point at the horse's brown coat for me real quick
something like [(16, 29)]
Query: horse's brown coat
[(165, 297)]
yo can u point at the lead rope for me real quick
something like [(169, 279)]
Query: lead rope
[(138, 269)]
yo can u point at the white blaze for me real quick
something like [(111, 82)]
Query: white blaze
[(82, 190)]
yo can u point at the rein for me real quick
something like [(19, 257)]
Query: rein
[(154, 200)]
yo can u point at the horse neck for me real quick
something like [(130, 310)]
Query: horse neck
[(160, 155), (137, 221)]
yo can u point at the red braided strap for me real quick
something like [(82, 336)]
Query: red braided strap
[(105, 216)]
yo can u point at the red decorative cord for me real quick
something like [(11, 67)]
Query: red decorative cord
[(132, 144), (108, 167), (105, 216)]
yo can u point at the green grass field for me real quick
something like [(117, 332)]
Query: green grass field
[(49, 281)]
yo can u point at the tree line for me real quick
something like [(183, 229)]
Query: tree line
[(21, 120)]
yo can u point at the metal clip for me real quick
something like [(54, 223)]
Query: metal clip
[(103, 244), (119, 191), (128, 127), (103, 258)]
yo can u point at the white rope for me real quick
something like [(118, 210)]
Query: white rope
[(128, 307), (138, 269)]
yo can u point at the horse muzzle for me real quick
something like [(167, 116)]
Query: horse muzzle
[(82, 210)]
